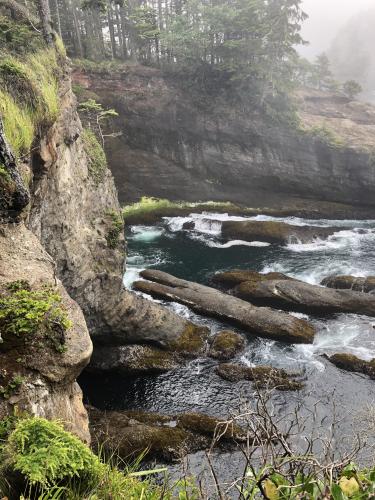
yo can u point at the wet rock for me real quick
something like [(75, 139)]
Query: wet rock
[(258, 321), (210, 426), (365, 285), (230, 279), (351, 363), (273, 231), (306, 298), (189, 225), (225, 345), (262, 376), (132, 360), (160, 436)]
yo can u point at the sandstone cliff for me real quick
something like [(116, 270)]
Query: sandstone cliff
[(175, 147)]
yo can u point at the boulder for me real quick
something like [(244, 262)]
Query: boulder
[(273, 231), (351, 363), (365, 285), (259, 321), (132, 360), (188, 225), (166, 437), (303, 297), (225, 345), (262, 376), (230, 279)]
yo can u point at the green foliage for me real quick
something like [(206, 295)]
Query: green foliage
[(44, 453), (115, 230), (97, 161), (18, 37), (18, 124), (350, 482), (352, 88), (4, 174), (24, 313), (12, 387), (325, 135), (28, 96), (55, 464)]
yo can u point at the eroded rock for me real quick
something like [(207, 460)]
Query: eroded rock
[(303, 297), (259, 321), (365, 285), (262, 376), (273, 231)]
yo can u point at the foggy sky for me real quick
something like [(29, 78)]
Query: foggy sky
[(326, 18)]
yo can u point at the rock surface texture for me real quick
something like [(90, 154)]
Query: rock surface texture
[(365, 285), (259, 321), (172, 147), (297, 296)]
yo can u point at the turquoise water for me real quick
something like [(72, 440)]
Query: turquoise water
[(197, 255)]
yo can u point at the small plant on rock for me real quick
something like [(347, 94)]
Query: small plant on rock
[(117, 227)]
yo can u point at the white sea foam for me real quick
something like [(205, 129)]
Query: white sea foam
[(146, 233)]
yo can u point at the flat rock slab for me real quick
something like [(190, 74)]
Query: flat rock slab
[(274, 232), (303, 297), (230, 279), (364, 285), (259, 321)]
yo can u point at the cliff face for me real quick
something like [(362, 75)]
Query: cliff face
[(171, 147)]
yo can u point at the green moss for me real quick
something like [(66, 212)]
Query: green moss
[(25, 313), (97, 161), (148, 210), (115, 230), (192, 340)]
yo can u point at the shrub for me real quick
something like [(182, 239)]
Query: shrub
[(57, 464), (97, 161), (18, 37), (326, 135)]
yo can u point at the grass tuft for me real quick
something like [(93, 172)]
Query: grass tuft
[(96, 156)]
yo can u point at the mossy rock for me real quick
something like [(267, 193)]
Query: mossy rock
[(262, 376), (210, 426), (351, 363), (192, 341), (225, 345)]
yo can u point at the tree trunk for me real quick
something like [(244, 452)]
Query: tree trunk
[(45, 19)]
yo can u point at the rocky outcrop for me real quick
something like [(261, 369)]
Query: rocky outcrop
[(351, 363), (225, 345), (71, 215), (273, 232), (174, 147), (39, 364), (230, 279), (303, 297), (365, 285), (262, 376), (263, 322), (159, 436)]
